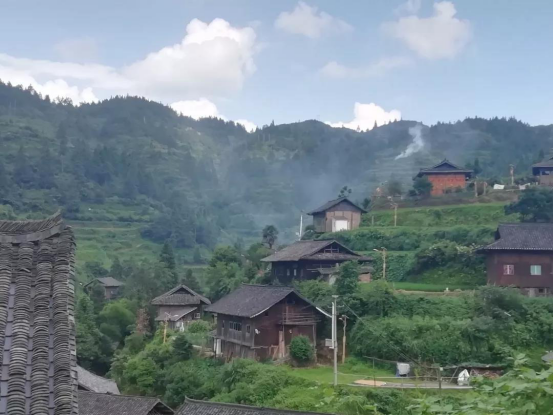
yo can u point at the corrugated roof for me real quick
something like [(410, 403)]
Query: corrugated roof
[(444, 167), (193, 407), (250, 300), (177, 315), (91, 403), (332, 203), (37, 324), (522, 237), (94, 383), (303, 249), (180, 295)]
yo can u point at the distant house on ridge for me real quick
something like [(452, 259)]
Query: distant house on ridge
[(259, 321), (180, 306), (337, 215), (522, 256), (306, 260), (111, 286), (446, 175)]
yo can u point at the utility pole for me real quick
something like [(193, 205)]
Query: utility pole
[(475, 188), (345, 321), (394, 206), (301, 224), (165, 328), (335, 338), (512, 172), (383, 252)]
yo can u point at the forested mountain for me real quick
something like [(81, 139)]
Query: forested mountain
[(193, 181)]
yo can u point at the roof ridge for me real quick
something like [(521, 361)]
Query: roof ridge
[(267, 285), (122, 396), (242, 406)]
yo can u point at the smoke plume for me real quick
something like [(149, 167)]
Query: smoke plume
[(416, 145)]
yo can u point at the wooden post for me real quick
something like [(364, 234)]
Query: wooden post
[(344, 319), (372, 220), (165, 331), (384, 264), (315, 342), (512, 172), (475, 188), (440, 379)]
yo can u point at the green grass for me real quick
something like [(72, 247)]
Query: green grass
[(414, 286), (349, 372)]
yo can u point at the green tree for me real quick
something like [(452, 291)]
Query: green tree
[(422, 186), (191, 281), (197, 256), (168, 276), (535, 204), (394, 188), (182, 348), (347, 282), (301, 349), (87, 334), (23, 173), (226, 255), (269, 235), (117, 319), (344, 192)]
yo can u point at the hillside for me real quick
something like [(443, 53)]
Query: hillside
[(138, 165)]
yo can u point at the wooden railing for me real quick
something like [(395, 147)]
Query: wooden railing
[(299, 318)]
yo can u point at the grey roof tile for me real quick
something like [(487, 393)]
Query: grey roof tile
[(193, 407), (94, 383), (522, 237), (304, 249), (91, 403), (332, 203), (180, 295)]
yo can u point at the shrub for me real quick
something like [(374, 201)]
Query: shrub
[(301, 349), (182, 348), (199, 326)]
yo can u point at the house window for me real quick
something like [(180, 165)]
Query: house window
[(295, 272), (287, 272), (197, 316), (508, 270), (535, 269), (233, 325), (248, 328)]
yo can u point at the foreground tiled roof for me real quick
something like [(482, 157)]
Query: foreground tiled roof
[(37, 326), (522, 236), (180, 295), (251, 300), (303, 249), (91, 403), (94, 383), (332, 203), (193, 407)]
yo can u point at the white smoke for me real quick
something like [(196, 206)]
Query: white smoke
[(416, 145)]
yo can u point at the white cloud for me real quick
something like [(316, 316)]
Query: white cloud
[(308, 21), (366, 115), (381, 67), (248, 125), (409, 7), (212, 59), (196, 109), (77, 50), (440, 36), (203, 108)]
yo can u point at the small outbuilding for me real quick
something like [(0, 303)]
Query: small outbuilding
[(446, 176), (543, 171), (337, 215), (112, 287)]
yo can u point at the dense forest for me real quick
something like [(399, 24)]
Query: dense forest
[(195, 181)]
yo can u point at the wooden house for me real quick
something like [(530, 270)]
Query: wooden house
[(522, 256), (180, 306), (337, 215), (112, 287), (446, 176), (307, 260), (195, 407), (259, 321), (91, 403), (543, 172), (37, 322)]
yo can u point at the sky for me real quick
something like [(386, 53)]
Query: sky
[(354, 64)]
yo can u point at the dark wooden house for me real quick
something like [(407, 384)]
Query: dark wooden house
[(112, 287), (180, 306), (91, 403), (306, 260), (194, 407), (37, 322), (446, 176), (543, 172), (522, 256), (259, 321), (337, 215)]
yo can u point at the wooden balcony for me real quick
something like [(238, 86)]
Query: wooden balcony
[(298, 319)]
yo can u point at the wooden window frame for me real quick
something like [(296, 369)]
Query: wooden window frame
[(507, 268), (532, 269)]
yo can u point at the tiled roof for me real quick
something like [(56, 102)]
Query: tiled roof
[(251, 300), (37, 325), (522, 236), (110, 282), (94, 383), (545, 163), (180, 295), (91, 403), (177, 315), (337, 256), (303, 249), (445, 166), (332, 203), (193, 407)]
